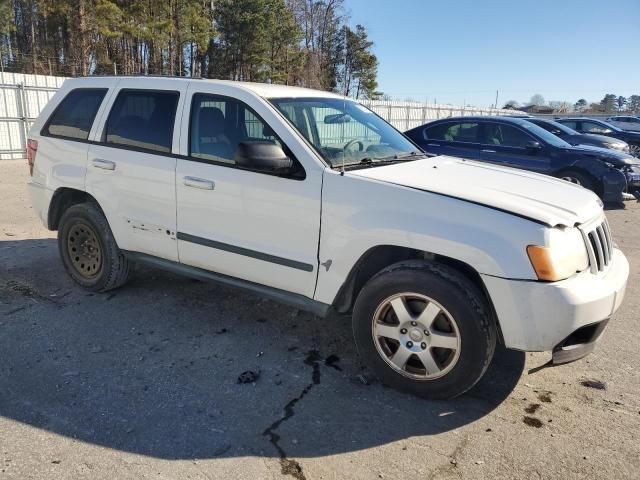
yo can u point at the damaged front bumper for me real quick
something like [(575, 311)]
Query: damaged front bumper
[(579, 344)]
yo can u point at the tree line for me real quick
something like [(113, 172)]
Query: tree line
[(293, 42), (610, 103)]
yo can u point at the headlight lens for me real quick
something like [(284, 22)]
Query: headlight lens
[(617, 146), (564, 256)]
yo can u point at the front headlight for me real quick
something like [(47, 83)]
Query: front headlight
[(617, 146), (564, 256)]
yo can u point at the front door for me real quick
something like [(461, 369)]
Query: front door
[(244, 223), (509, 146)]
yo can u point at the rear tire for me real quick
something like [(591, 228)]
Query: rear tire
[(89, 251), (424, 328)]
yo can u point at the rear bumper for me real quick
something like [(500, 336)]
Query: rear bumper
[(538, 316)]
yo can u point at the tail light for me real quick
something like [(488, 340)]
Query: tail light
[(32, 149)]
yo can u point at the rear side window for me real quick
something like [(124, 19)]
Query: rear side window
[(74, 116), (142, 119)]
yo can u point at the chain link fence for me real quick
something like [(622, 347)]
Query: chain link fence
[(23, 96)]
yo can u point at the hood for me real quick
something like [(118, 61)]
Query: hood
[(614, 157), (597, 138), (539, 197)]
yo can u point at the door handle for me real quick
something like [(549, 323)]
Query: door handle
[(200, 183), (433, 144), (488, 151), (103, 164)]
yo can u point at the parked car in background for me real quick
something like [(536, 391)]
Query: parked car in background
[(625, 162), (600, 127), (435, 258), (576, 138), (625, 122), (516, 142)]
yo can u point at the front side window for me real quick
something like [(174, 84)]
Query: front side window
[(453, 132), (219, 125), (74, 116), (142, 119), (343, 131), (593, 127), (505, 135)]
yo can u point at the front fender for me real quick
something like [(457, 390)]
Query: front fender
[(360, 214), (613, 181)]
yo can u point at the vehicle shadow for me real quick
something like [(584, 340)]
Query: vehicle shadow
[(154, 368)]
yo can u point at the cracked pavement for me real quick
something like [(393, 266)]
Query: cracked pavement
[(142, 382)]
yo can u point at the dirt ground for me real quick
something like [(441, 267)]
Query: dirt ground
[(143, 382)]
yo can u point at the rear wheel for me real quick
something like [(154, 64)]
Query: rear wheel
[(634, 150), (88, 250), (424, 328)]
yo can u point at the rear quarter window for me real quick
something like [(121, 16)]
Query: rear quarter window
[(74, 116)]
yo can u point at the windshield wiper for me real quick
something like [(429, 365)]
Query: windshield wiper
[(370, 161)]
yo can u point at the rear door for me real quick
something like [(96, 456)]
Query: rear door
[(131, 164), (507, 145), (455, 138)]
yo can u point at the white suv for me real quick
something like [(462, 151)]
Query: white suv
[(313, 200)]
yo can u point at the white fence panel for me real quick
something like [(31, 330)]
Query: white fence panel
[(22, 98)]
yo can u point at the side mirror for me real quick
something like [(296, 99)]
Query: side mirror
[(264, 156), (533, 146)]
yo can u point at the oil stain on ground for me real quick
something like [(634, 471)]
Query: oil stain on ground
[(545, 397), (596, 384), (532, 422), (532, 408)]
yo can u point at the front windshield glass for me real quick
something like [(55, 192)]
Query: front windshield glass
[(548, 137), (343, 131)]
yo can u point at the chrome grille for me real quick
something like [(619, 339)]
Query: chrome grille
[(599, 245)]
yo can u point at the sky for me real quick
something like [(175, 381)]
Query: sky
[(464, 50)]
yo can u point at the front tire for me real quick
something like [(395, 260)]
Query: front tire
[(424, 328), (578, 178), (89, 251)]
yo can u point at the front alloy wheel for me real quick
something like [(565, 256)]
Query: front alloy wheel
[(416, 336)]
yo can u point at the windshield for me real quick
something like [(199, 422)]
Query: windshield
[(343, 131), (548, 137)]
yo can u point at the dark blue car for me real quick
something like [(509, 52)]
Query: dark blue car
[(516, 142)]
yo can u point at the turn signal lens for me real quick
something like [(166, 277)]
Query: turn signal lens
[(542, 262)]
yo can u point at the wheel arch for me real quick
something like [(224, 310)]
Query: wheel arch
[(382, 256), (62, 199)]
